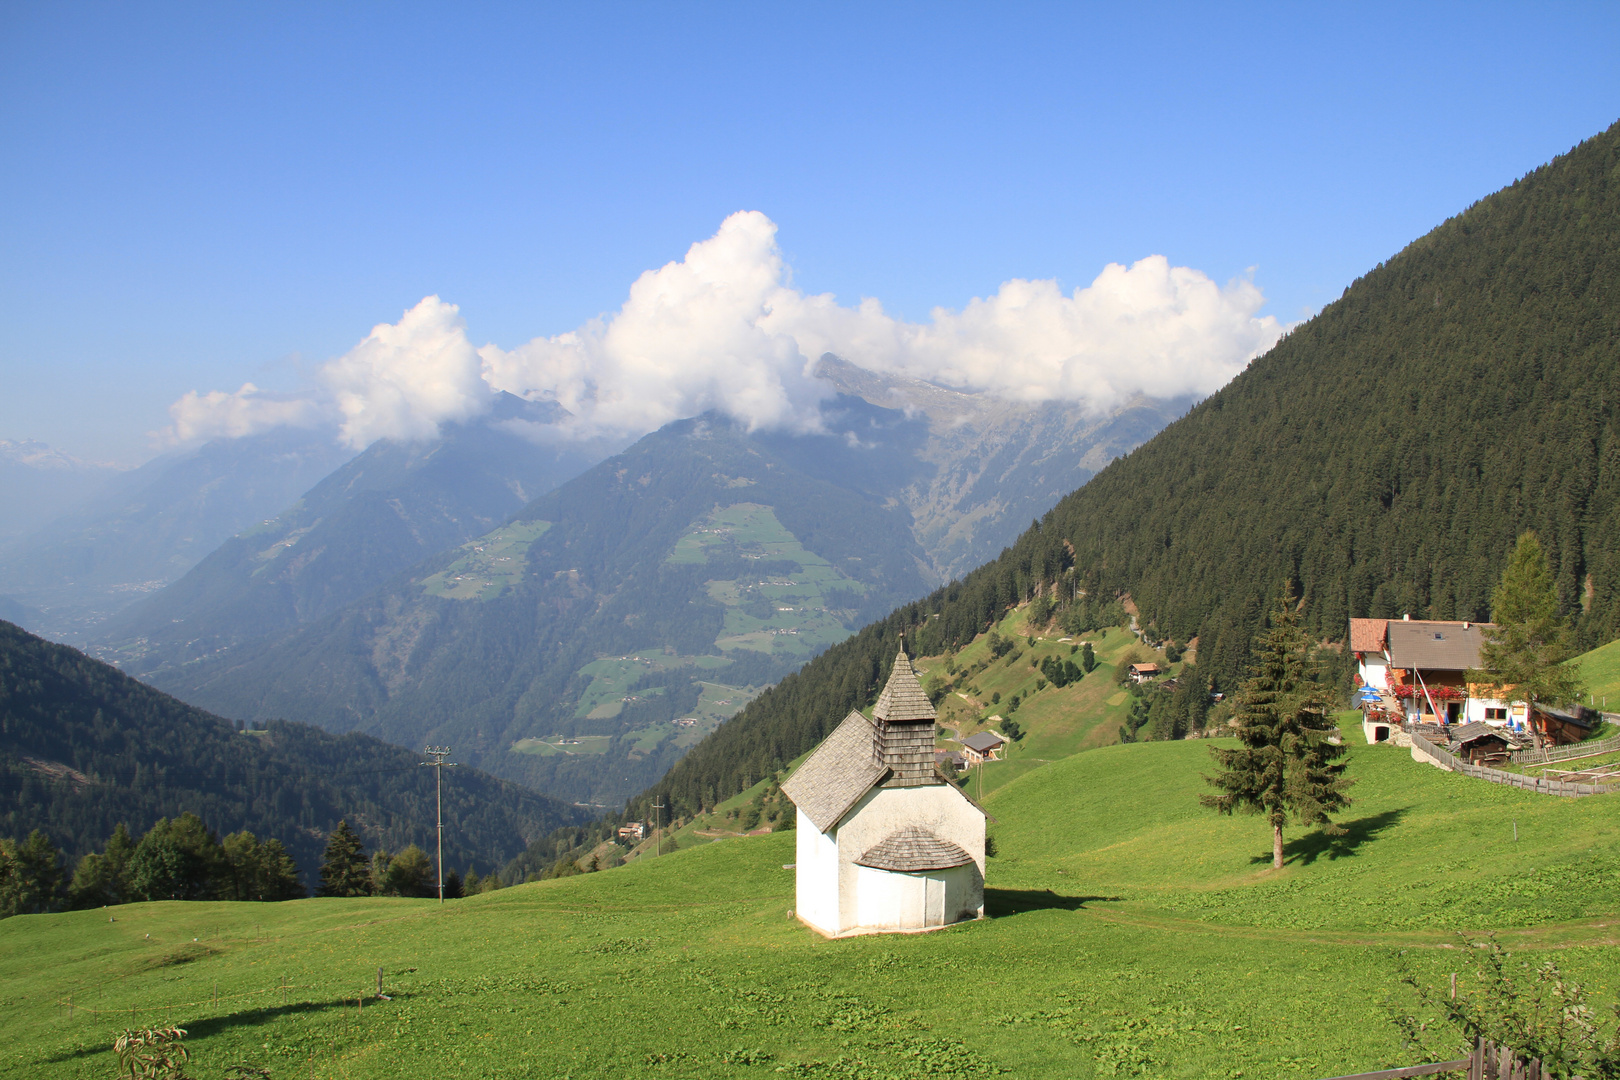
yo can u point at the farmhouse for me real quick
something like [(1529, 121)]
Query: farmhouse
[(1415, 672), (983, 747), (1143, 672), (884, 843)]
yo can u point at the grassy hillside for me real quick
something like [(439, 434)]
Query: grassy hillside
[(1135, 934), (1600, 671)]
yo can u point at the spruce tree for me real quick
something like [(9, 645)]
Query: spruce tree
[(1285, 765), (344, 869), (30, 875), (1527, 652)]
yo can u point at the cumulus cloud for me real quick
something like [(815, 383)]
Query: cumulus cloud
[(407, 378), (725, 329), (216, 414), (693, 335)]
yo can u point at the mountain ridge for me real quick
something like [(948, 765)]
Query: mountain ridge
[(84, 747)]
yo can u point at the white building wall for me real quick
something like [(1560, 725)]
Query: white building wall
[(939, 808), (1374, 670), (894, 901), (816, 876), (1474, 712)]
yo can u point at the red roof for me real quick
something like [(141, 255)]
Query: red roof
[(1367, 635)]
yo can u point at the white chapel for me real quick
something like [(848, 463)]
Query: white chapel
[(885, 843)]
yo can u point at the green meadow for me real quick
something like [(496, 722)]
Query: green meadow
[(489, 565), (780, 610), (1132, 934)]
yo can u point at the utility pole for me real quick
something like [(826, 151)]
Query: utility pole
[(438, 764), (658, 837)]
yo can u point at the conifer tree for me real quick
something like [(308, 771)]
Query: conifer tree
[(104, 878), (1285, 765), (1527, 652), (344, 870), (29, 875)]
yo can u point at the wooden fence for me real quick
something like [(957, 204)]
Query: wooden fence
[(1447, 760), (1487, 1062), (1564, 753)]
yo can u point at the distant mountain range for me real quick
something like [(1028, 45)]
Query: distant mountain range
[(583, 645), (84, 747), (981, 468), (39, 484), (387, 509), (141, 530)]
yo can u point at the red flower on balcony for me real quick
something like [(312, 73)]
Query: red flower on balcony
[(1436, 693)]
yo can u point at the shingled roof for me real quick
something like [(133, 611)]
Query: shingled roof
[(1367, 635), (912, 849), (984, 740), (1434, 646), (833, 778), (903, 699)]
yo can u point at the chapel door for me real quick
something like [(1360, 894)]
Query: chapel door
[(934, 902)]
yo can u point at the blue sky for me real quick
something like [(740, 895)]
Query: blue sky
[(195, 196)]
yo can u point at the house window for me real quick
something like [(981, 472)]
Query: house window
[(1495, 714)]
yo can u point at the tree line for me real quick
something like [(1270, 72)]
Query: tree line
[(178, 859), (85, 748)]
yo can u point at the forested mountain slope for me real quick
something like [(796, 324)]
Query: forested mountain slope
[(84, 747), (560, 649), (394, 505), (1383, 457)]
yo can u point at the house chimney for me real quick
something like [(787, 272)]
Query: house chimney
[(1465, 624), (1407, 617)]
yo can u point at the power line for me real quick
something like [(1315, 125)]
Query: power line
[(438, 764)]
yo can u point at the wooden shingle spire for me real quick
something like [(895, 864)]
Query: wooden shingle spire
[(904, 735), (903, 700)]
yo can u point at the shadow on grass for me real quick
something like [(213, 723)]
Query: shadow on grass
[(198, 1028), (1000, 902), (1315, 845)]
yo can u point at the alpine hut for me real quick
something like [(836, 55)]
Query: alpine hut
[(885, 843)]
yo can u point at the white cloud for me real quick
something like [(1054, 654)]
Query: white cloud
[(407, 378), (248, 411), (1152, 329), (692, 336), (725, 329)]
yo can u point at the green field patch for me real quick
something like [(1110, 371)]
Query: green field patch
[(489, 565), (792, 614), (1600, 670), (746, 529), (612, 676), (563, 744)]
